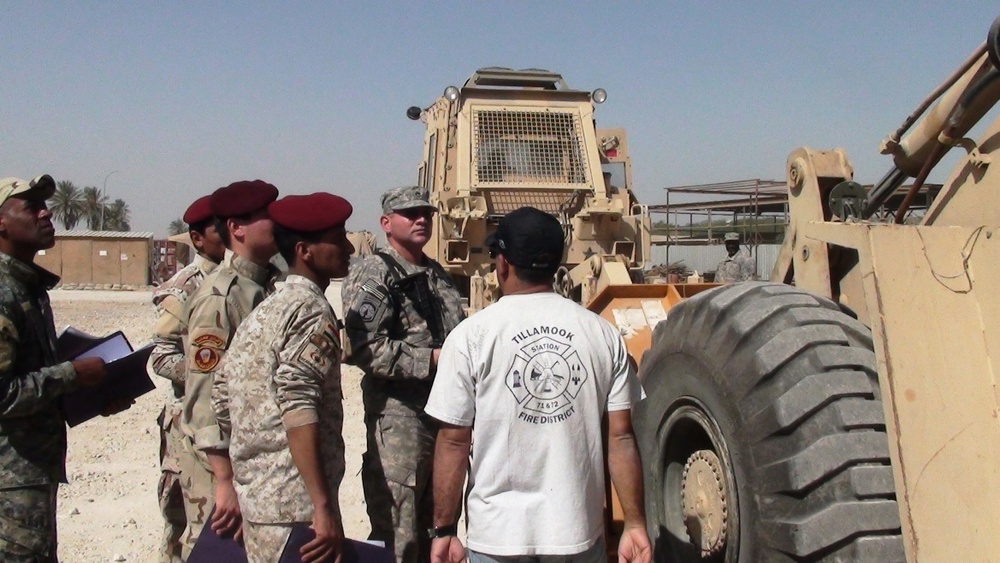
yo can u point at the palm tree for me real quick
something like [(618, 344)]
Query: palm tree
[(67, 204), (93, 204), (116, 216), (177, 226)]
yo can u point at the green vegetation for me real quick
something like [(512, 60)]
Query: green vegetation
[(73, 206)]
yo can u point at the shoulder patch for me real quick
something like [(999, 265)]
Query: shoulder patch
[(374, 289), (321, 350), (207, 351)]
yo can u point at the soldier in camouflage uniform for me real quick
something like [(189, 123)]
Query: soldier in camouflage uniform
[(213, 312), (32, 430), (167, 360), (399, 305), (738, 265), (278, 394)]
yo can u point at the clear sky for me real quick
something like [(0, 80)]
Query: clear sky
[(184, 97)]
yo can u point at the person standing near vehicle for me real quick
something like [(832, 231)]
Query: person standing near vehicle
[(278, 391), (399, 305), (528, 380), (213, 312), (167, 360), (738, 265), (32, 429)]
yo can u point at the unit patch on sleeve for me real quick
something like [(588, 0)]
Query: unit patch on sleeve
[(373, 306), (321, 349), (207, 353)]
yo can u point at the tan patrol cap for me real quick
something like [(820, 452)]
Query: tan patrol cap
[(40, 188)]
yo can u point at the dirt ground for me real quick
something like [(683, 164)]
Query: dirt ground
[(109, 511)]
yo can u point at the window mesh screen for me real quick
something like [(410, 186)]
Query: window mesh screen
[(524, 147)]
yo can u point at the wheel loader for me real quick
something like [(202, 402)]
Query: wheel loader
[(847, 410)]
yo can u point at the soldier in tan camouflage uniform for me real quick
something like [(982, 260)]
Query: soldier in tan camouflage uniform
[(738, 265), (214, 311), (32, 430), (278, 390), (167, 360), (399, 305)]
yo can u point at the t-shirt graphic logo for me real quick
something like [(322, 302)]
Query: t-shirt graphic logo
[(545, 378)]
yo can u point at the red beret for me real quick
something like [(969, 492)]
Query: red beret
[(242, 198), (199, 211), (310, 213)]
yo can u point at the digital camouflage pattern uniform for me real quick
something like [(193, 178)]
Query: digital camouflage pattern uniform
[(167, 360), (392, 343), (281, 371), (32, 430), (736, 268), (214, 311)]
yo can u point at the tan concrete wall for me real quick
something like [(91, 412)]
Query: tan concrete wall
[(50, 259), (134, 262), (98, 261), (104, 256), (76, 266)]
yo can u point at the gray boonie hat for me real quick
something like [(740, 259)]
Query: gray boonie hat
[(407, 197), (41, 188), (731, 237)]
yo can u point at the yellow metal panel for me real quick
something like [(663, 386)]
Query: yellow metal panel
[(937, 334)]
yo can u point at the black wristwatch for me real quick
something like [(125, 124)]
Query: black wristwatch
[(443, 531)]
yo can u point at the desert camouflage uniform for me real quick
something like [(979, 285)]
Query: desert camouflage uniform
[(281, 371), (32, 430), (736, 268), (391, 342), (167, 360), (217, 307)]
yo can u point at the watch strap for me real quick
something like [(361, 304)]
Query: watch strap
[(444, 531)]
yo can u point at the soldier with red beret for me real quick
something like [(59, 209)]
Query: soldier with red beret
[(278, 394), (212, 314), (167, 360)]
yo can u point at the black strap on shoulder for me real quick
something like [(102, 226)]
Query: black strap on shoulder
[(395, 269)]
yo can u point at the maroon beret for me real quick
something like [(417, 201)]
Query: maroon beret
[(310, 213), (242, 198), (199, 211)]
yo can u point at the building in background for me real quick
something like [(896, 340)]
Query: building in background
[(100, 258)]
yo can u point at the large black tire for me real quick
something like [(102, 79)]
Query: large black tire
[(769, 396)]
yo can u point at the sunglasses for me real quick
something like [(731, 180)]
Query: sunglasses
[(416, 213)]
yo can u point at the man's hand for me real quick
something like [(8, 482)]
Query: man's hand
[(90, 371), (448, 550), (435, 355), (227, 519), (329, 536), (634, 546), (116, 406)]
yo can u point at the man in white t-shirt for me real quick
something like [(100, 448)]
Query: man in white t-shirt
[(528, 380)]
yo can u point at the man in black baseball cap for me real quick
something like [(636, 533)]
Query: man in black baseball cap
[(531, 240)]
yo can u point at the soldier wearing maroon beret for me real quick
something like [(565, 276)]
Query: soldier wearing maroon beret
[(278, 393), (167, 360), (213, 313)]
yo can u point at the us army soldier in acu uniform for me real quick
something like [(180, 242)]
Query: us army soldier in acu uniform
[(214, 311), (399, 305), (167, 360), (32, 430), (278, 390)]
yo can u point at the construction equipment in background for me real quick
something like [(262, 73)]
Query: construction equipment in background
[(847, 410), (510, 138)]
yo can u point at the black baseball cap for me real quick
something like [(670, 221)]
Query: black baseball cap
[(529, 238)]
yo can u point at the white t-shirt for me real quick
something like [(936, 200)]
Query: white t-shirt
[(533, 375)]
